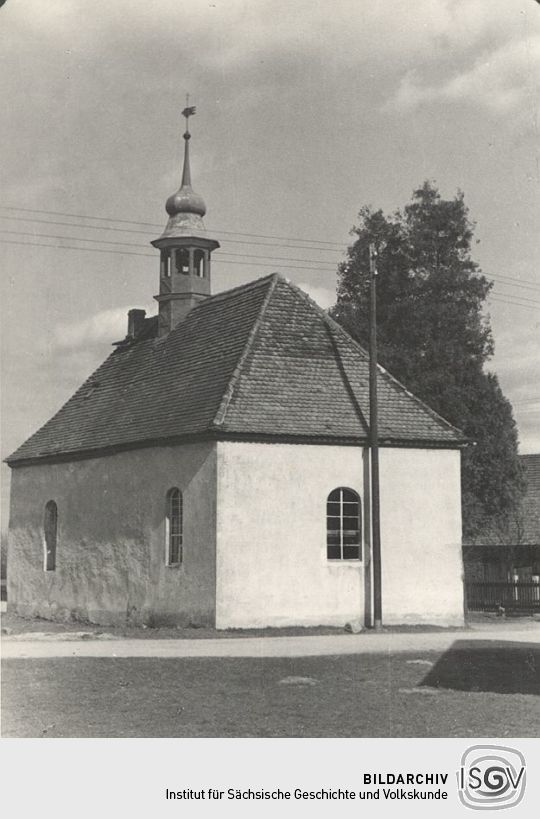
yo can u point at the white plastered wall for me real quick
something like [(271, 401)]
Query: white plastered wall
[(111, 554), (422, 566), (271, 536), (271, 565)]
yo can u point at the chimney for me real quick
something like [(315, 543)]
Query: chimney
[(135, 322)]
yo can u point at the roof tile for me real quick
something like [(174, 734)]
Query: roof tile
[(262, 359)]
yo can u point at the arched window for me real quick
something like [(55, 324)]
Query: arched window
[(50, 533), (343, 525), (174, 526)]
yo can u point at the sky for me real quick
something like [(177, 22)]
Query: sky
[(306, 111)]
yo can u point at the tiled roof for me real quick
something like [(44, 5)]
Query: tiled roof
[(531, 465), (531, 501), (259, 360), (522, 528)]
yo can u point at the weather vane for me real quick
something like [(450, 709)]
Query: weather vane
[(187, 113)]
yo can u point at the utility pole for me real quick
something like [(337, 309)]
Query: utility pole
[(374, 441)]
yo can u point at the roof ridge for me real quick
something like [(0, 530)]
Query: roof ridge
[(224, 294), (219, 417), (330, 323), (423, 404), (333, 324), (389, 377)]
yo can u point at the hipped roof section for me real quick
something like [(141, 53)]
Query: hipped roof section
[(260, 361)]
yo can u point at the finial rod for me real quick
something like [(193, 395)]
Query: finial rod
[(188, 112)]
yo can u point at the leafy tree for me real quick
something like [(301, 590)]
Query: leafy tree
[(434, 337)]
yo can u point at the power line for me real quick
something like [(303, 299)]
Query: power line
[(148, 255), (79, 216), (501, 278), (514, 296), (153, 225), (73, 238), (145, 232), (224, 261), (220, 253), (132, 244), (515, 303), (518, 281), (73, 225), (523, 283), (515, 282), (73, 247), (151, 255)]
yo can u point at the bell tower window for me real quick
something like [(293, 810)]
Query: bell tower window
[(182, 261), (165, 266), (198, 263)]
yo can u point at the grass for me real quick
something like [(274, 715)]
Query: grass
[(478, 691)]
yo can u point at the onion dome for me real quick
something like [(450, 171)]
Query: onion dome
[(185, 207), (185, 200)]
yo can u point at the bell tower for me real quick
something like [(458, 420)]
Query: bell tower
[(185, 250)]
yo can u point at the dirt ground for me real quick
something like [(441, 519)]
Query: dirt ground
[(11, 624), (470, 690)]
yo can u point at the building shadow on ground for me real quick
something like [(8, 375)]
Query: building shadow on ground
[(488, 665)]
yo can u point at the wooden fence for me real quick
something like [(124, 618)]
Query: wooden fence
[(511, 596)]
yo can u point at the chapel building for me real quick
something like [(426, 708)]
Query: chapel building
[(214, 470)]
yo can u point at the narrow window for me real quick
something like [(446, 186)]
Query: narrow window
[(50, 531), (182, 261), (198, 262), (343, 525), (165, 268), (174, 527)]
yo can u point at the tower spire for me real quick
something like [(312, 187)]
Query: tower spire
[(185, 248), (187, 113)]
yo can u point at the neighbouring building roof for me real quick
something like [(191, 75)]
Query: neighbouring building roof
[(531, 466), (259, 361), (531, 501), (523, 527)]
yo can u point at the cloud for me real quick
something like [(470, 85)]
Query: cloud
[(235, 33), (106, 326), (324, 296), (503, 81)]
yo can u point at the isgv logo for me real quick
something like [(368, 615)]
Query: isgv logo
[(491, 777)]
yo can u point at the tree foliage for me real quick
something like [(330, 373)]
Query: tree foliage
[(434, 336)]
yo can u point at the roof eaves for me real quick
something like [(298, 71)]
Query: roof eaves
[(221, 413), (63, 456), (88, 384), (339, 440)]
